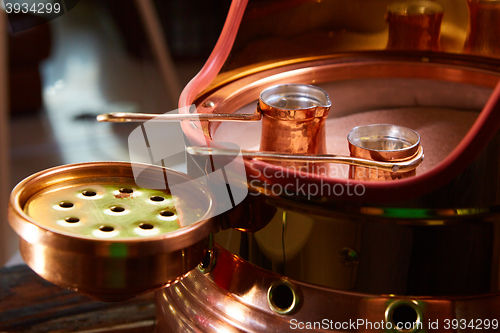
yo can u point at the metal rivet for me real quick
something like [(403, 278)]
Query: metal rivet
[(208, 104)]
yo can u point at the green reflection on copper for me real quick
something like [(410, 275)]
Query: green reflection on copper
[(421, 213)]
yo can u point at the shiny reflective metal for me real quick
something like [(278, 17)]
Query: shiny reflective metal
[(383, 142), (365, 82), (400, 235), (283, 297), (293, 120), (431, 240), (406, 316), (121, 117), (222, 302), (105, 266), (399, 166)]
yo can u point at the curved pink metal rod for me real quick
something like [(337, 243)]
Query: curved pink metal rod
[(217, 57)]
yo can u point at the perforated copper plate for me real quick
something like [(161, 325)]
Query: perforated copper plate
[(105, 211), (89, 227)]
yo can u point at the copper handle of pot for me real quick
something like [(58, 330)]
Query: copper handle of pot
[(400, 166), (121, 117)]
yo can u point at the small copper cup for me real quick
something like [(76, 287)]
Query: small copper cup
[(293, 121), (384, 143), (483, 35), (414, 25)]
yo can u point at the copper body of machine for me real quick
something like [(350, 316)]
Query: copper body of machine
[(329, 251)]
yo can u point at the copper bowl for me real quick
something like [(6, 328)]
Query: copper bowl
[(96, 254)]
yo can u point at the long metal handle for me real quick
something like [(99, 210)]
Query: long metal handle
[(141, 117), (403, 166)]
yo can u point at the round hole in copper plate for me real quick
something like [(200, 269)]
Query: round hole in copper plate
[(117, 209), (121, 247), (167, 213), (106, 228), (72, 219), (146, 226)]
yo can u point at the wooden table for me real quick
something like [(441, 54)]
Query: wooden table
[(28, 303)]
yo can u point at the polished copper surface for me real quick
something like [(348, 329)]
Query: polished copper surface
[(403, 165), (377, 250), (414, 25), (399, 238), (408, 244), (344, 258), (382, 142), (294, 120), (105, 256), (122, 117), (219, 302)]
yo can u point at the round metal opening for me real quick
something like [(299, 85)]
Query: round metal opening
[(405, 316), (383, 137), (295, 97), (208, 262), (282, 297)]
